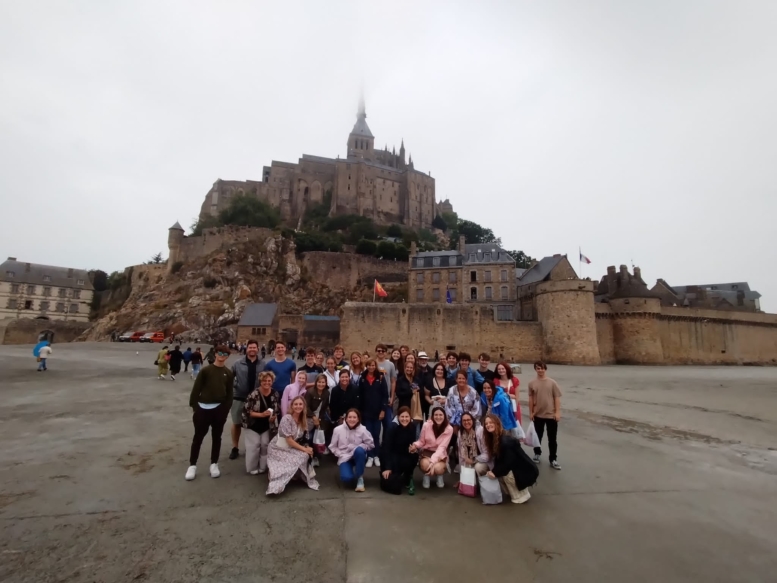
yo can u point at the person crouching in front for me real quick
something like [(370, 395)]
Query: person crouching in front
[(433, 446), (350, 443), (397, 463)]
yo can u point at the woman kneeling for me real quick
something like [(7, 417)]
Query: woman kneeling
[(433, 446), (350, 443)]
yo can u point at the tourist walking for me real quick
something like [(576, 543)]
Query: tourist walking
[(351, 443), (246, 371), (432, 446), (545, 411), (260, 415), (294, 390), (187, 358), (283, 368), (210, 400), (43, 356), (176, 359), (211, 356), (290, 453), (161, 361), (196, 362), (373, 400), (397, 463), (510, 462)]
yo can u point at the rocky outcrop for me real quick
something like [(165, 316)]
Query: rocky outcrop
[(206, 297)]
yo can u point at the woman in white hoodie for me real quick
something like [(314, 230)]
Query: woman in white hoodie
[(350, 443)]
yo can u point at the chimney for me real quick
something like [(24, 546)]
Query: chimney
[(27, 268), (611, 280), (413, 248), (611, 270), (624, 270), (462, 245), (638, 273), (12, 259), (556, 255), (70, 273)]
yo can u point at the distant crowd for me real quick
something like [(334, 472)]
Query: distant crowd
[(394, 411)]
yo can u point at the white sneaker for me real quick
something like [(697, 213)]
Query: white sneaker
[(172, 378), (440, 482), (161, 377), (315, 462), (262, 470), (555, 465), (377, 462), (214, 471), (369, 462), (360, 485), (326, 451), (523, 496), (254, 472), (426, 483), (191, 473)]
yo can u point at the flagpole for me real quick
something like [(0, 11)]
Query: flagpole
[(373, 290), (580, 262)]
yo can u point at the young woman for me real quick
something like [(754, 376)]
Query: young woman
[(331, 372), (260, 415), (407, 385), (317, 405), (343, 397), (396, 359), (373, 399), (462, 399), (510, 463), (289, 452), (493, 400), (436, 390), (432, 446), (294, 390), (504, 377), (404, 350), (350, 443), (397, 461), (357, 368), (411, 358)]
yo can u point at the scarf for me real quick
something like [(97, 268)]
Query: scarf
[(468, 444)]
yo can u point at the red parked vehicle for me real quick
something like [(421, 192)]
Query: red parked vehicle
[(136, 336)]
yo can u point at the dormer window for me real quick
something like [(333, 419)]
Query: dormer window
[(46, 278), (10, 274), (487, 256), (472, 256), (80, 282)]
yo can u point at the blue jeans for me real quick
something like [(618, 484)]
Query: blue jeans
[(42, 364), (353, 469), (373, 426), (196, 369)]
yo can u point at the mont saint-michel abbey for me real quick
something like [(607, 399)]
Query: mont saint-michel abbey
[(379, 184)]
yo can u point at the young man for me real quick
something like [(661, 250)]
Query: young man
[(197, 359), (283, 368), (473, 376), (176, 358), (545, 410), (390, 372), (187, 358), (210, 400), (245, 371), (487, 375), (310, 367), (452, 361), (339, 356)]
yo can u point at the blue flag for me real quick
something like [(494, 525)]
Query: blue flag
[(448, 298)]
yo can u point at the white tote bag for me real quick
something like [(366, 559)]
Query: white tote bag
[(468, 482), (532, 439), (490, 491)]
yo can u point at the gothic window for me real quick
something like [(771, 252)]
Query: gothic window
[(77, 294), (47, 291), (28, 305), (419, 278), (14, 288), (62, 292), (12, 303), (44, 306), (60, 307)]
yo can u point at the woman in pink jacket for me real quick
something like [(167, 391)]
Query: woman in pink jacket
[(350, 443), (433, 446), (294, 390)]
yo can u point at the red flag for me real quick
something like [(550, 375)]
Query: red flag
[(379, 291)]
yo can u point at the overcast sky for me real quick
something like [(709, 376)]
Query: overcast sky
[(639, 131)]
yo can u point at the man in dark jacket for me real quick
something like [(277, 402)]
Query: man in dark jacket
[(176, 358), (245, 371), (187, 358)]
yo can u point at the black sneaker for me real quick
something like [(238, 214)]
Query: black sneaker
[(234, 453)]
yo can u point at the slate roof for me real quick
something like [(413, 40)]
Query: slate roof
[(498, 255), (258, 315), (361, 128), (177, 226), (540, 270), (718, 287), (312, 317), (34, 273)]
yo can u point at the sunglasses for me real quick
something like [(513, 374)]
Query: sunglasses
[(219, 353), (380, 350)]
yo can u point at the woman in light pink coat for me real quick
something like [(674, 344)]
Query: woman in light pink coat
[(433, 446), (294, 390), (350, 443)]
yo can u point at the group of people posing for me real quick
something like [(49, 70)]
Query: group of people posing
[(395, 412)]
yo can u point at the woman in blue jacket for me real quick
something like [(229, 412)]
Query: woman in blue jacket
[(373, 400), (495, 401)]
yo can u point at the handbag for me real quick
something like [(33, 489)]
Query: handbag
[(319, 441), (490, 491), (468, 482), (415, 407)]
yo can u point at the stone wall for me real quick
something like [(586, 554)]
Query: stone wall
[(27, 331), (344, 271), (439, 327), (566, 311), (604, 337), (211, 240)]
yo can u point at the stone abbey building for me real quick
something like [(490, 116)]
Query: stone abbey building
[(379, 184)]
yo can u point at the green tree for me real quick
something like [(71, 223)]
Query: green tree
[(386, 250), (366, 247), (99, 279), (208, 222), (394, 231), (401, 253), (361, 230), (439, 223), (474, 233), (521, 259), (157, 259), (316, 241), (249, 211)]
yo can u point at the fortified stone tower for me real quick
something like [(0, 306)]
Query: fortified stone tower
[(174, 238), (566, 311), (636, 337)]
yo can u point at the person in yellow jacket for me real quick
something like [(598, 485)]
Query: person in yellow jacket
[(161, 362)]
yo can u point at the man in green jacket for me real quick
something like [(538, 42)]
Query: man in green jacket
[(210, 400)]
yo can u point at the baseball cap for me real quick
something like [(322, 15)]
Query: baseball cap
[(422, 354)]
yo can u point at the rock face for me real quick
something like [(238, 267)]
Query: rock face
[(205, 298)]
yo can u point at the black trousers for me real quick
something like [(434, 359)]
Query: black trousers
[(204, 419), (405, 465), (540, 424)]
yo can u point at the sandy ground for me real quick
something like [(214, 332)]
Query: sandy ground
[(669, 474)]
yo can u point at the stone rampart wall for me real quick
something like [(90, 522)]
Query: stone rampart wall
[(345, 271)]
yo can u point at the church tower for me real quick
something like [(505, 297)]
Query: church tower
[(361, 142)]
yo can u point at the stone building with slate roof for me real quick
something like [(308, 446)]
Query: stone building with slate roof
[(553, 268), (377, 183), (31, 290)]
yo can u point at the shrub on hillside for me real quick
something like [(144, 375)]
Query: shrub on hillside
[(366, 247)]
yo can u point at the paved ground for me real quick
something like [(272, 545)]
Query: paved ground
[(669, 474)]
